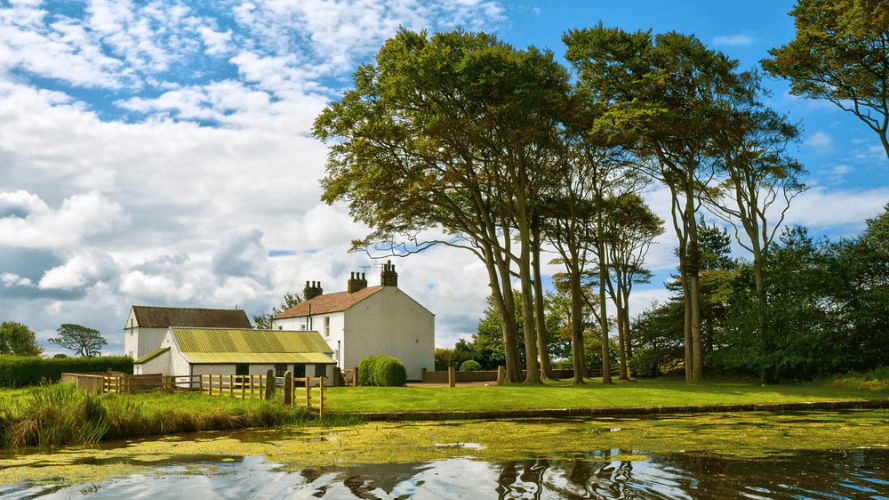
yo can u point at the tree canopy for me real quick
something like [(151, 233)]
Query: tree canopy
[(18, 340), (841, 54), (85, 342)]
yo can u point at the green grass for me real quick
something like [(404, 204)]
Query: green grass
[(561, 394)]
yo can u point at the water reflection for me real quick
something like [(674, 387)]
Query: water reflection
[(860, 474)]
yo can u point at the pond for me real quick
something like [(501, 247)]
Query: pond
[(720, 456)]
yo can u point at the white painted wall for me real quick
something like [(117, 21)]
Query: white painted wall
[(391, 323)]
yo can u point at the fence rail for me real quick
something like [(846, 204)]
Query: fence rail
[(307, 391)]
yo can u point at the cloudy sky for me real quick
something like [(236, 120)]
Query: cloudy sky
[(159, 152)]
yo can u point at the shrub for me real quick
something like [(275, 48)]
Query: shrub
[(389, 372), (366, 370), (470, 365)]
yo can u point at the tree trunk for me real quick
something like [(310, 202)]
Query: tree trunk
[(546, 368)]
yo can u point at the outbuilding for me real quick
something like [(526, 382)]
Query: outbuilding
[(239, 351)]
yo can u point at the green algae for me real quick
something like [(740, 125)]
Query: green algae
[(742, 435)]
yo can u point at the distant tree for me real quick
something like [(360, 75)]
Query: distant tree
[(18, 340), (841, 54), (85, 342), (442, 358), (264, 321)]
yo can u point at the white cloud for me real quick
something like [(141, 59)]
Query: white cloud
[(740, 40), (79, 217), (843, 210), (820, 142), (10, 279), (85, 268)]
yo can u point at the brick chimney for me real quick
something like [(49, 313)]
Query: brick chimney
[(310, 292), (357, 282), (389, 277)]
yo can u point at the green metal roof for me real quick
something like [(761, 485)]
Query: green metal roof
[(259, 358), (152, 354), (233, 345)]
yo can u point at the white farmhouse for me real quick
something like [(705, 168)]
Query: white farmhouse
[(147, 326), (364, 321)]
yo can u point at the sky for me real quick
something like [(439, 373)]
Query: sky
[(160, 153)]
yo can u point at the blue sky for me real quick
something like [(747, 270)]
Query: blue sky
[(159, 152)]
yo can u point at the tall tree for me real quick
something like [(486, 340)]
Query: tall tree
[(590, 167), (758, 178), (630, 230), (18, 340), (85, 342), (661, 93), (451, 133), (841, 54)]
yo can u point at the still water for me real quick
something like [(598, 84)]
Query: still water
[(413, 462), (861, 474)]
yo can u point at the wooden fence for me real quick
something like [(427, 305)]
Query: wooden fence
[(307, 391)]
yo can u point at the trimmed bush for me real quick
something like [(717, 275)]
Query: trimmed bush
[(389, 372), (470, 365), (366, 370), (18, 371)]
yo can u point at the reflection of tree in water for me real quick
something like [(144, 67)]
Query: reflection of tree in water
[(592, 475), (856, 474), (366, 482)]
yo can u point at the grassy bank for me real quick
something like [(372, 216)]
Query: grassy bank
[(622, 394), (60, 415), (57, 415)]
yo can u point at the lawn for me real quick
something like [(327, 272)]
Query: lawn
[(562, 394)]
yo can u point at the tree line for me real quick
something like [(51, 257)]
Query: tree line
[(508, 154), (17, 339)]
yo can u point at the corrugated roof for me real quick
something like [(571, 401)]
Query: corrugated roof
[(332, 302), (152, 354), (260, 358), (244, 341), (163, 317)]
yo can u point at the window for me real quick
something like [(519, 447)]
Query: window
[(320, 370), (299, 370), (242, 369), (280, 369), (327, 326)]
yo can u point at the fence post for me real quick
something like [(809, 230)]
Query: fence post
[(269, 384), (308, 392), (321, 404), (501, 375), (452, 376), (288, 388)]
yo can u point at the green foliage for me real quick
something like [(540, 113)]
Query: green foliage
[(16, 371), (18, 340), (470, 365), (389, 372), (83, 341), (367, 370), (841, 54), (443, 358)]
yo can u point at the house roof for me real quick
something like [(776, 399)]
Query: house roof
[(237, 345), (152, 355), (332, 302), (163, 317)]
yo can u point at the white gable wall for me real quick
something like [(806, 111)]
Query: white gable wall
[(393, 324), (139, 341)]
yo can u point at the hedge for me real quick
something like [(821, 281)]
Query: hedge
[(390, 372), (17, 371), (366, 370), (383, 371), (470, 365)]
